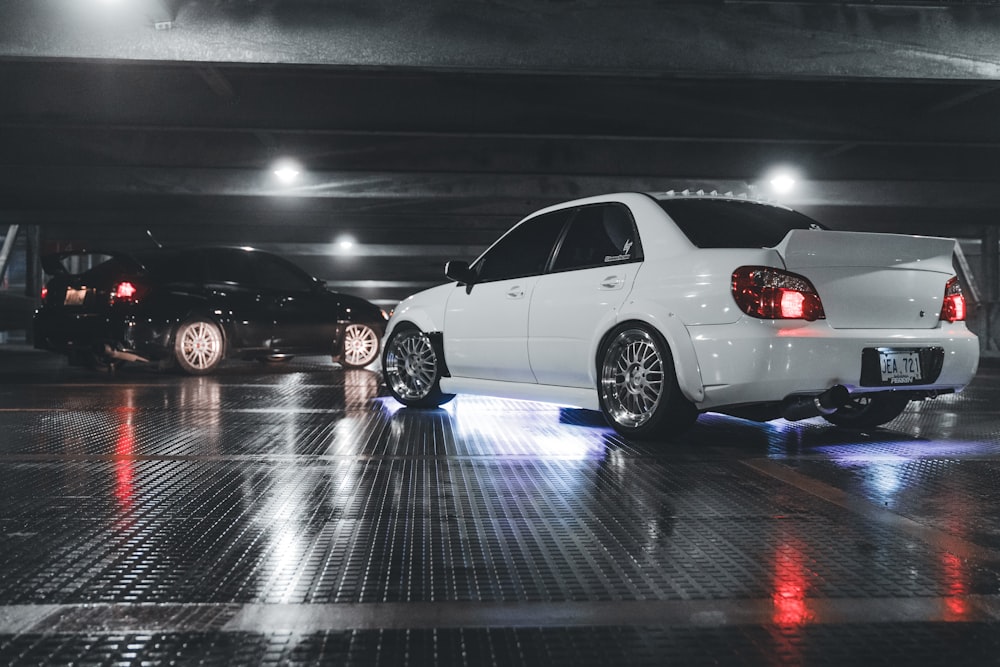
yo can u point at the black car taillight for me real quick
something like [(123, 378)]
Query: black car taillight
[(127, 292), (953, 309), (774, 294)]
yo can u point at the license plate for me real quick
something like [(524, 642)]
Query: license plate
[(899, 366), (75, 297)]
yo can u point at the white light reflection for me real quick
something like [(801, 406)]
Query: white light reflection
[(883, 473), (284, 507), (541, 431)]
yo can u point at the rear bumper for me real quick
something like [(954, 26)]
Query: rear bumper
[(95, 333), (759, 361)]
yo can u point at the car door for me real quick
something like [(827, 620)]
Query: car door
[(486, 323), (233, 294), (592, 274), (304, 314)]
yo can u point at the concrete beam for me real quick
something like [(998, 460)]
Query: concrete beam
[(21, 183), (761, 39)]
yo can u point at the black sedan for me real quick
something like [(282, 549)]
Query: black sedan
[(194, 307)]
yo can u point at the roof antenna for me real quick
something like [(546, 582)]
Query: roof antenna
[(153, 238)]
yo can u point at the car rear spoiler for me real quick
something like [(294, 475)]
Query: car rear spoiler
[(53, 264)]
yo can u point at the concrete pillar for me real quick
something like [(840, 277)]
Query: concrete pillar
[(5, 251), (991, 289), (33, 276)]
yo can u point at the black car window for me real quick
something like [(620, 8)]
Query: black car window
[(525, 250), (599, 235), (278, 274), (734, 224), (182, 266), (230, 266)]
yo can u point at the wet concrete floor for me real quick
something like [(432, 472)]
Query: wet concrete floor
[(292, 514)]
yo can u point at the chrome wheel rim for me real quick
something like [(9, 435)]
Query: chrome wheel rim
[(201, 345), (411, 365), (360, 345), (632, 378)]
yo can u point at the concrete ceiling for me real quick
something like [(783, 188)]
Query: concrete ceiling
[(426, 129)]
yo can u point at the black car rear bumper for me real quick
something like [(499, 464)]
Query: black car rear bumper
[(107, 334)]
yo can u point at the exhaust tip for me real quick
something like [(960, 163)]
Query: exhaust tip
[(833, 399), (804, 407)]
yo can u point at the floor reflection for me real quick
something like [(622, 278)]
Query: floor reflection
[(124, 452)]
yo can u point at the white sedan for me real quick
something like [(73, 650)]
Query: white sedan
[(653, 308)]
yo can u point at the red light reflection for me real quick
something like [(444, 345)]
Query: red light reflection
[(789, 595), (124, 471), (956, 606)]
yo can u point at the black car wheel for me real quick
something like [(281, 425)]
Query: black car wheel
[(412, 369), (638, 389), (869, 410), (198, 346), (360, 346)]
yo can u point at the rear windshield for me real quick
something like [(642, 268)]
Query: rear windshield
[(734, 224), (160, 264)]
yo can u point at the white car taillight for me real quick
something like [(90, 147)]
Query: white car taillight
[(953, 309), (774, 294)]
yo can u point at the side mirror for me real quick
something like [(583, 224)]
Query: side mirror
[(460, 272)]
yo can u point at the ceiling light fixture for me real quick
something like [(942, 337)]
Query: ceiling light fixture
[(782, 182), (287, 171)]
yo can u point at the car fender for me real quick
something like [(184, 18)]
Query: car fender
[(424, 310), (675, 333)]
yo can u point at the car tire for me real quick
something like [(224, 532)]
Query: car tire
[(412, 369), (869, 410), (198, 346), (637, 385), (359, 347)]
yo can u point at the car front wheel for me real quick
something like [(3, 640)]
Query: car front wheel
[(360, 346), (638, 389), (869, 410), (412, 369), (198, 346)]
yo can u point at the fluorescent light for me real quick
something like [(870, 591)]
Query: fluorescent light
[(783, 183), (782, 179), (287, 171)]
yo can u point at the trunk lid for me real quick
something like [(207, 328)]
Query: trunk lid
[(79, 285), (873, 281)]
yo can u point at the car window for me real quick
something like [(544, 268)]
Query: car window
[(182, 266), (278, 274), (525, 250), (734, 224), (233, 266), (598, 235)]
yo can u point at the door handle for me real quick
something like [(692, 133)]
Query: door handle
[(612, 282), (515, 292)]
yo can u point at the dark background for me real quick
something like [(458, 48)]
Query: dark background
[(424, 130)]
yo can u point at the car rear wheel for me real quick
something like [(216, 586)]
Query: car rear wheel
[(198, 346), (869, 410), (638, 390), (412, 369), (360, 346)]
